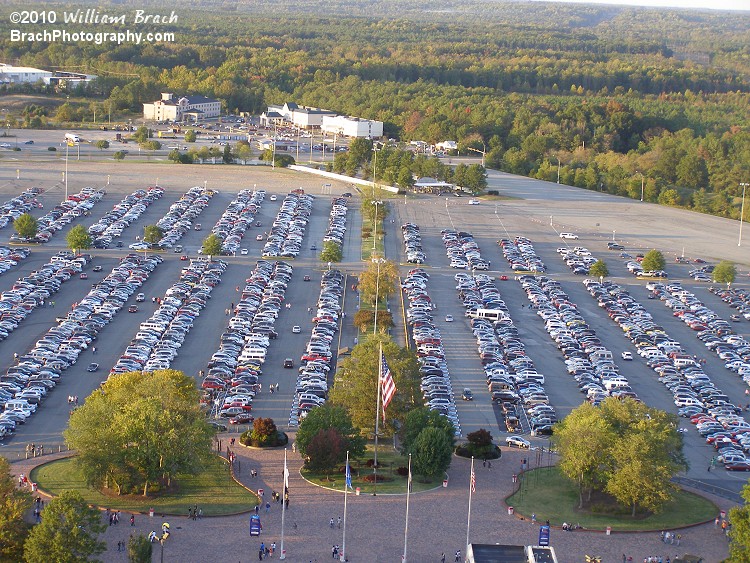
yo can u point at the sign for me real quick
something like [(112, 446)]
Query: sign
[(544, 536)]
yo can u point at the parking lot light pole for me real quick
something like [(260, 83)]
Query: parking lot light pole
[(376, 203), (742, 210), (642, 185)]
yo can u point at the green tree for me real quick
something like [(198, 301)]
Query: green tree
[(102, 144), (175, 155), (190, 136), (369, 209), (331, 252), (226, 155), (330, 416), (140, 549), (244, 152), (355, 384), (405, 178), (152, 234), (475, 179), (725, 272), (582, 439), (14, 502), (378, 278), (480, 443), (432, 452), (264, 431), (653, 260), (599, 269), (364, 320), (118, 155), (211, 245), (68, 532), (142, 428), (141, 135), (418, 419), (26, 226), (739, 533), (78, 238)]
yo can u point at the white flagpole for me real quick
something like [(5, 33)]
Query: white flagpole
[(468, 520), (377, 419), (406, 528), (283, 510), (342, 555)]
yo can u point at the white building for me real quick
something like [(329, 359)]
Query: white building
[(171, 108), (10, 74), (353, 127)]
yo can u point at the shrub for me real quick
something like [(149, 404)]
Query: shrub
[(380, 478), (493, 192), (403, 471)]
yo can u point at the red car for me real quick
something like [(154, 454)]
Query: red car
[(737, 466), (183, 257), (243, 418)]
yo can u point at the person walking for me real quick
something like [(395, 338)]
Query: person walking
[(331, 523), (442, 557), (458, 556)]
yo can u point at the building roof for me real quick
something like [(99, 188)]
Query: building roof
[(199, 100), (426, 181), (4, 67)]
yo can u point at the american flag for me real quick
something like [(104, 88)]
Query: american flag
[(387, 386), (473, 479)]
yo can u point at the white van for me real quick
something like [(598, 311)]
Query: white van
[(683, 362), (617, 383), (19, 405), (253, 354), (489, 314)]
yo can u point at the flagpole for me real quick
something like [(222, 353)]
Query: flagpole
[(406, 528), (342, 556), (468, 519), (283, 504), (377, 419)]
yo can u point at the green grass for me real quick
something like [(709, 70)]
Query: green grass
[(388, 461), (546, 493), (214, 491)]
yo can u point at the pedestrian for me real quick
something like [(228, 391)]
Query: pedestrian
[(338, 521), (273, 548), (533, 518), (294, 447), (331, 523), (260, 554), (256, 509), (286, 502), (190, 512), (679, 538), (716, 522), (458, 556), (268, 507), (93, 350), (333, 552), (442, 557), (200, 513), (484, 462), (132, 519), (624, 558)]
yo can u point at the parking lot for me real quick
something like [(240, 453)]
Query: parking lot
[(488, 222)]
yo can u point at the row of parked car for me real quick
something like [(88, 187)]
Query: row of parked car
[(288, 229), (311, 386), (715, 333), (237, 218), (512, 379), (521, 255), (234, 371), (578, 259), (160, 337), (692, 389), (413, 244), (26, 383), (15, 207), (463, 250), (179, 219), (122, 215), (30, 292), (10, 257), (337, 221), (62, 214), (436, 387), (738, 299)]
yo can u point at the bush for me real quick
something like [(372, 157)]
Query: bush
[(467, 450), (403, 471), (279, 439), (493, 192), (380, 478)]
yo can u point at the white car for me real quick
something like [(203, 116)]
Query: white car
[(139, 246), (571, 236), (474, 202), (627, 355), (5, 145), (448, 318), (517, 441), (273, 197), (296, 329), (243, 251)]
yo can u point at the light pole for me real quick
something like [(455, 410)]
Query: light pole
[(482, 152), (642, 185), (66, 170), (558, 169), (378, 261), (742, 210), (376, 203), (613, 236)]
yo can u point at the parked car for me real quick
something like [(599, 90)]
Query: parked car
[(517, 441)]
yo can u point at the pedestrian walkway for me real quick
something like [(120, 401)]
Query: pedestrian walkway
[(375, 525)]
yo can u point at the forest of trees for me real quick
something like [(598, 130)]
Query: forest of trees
[(615, 98)]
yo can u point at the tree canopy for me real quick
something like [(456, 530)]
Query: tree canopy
[(739, 533), (211, 245), (432, 451), (378, 278), (78, 238), (152, 234), (26, 226), (653, 261), (326, 417), (355, 385), (139, 430), (14, 503), (599, 269), (68, 532), (331, 252), (621, 447), (725, 272)]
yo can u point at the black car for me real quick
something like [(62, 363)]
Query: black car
[(93, 366)]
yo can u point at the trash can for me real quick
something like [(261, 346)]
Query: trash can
[(445, 483), (510, 511), (609, 530), (151, 512), (260, 493), (357, 491), (33, 487)]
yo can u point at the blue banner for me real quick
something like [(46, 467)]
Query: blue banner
[(544, 536)]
